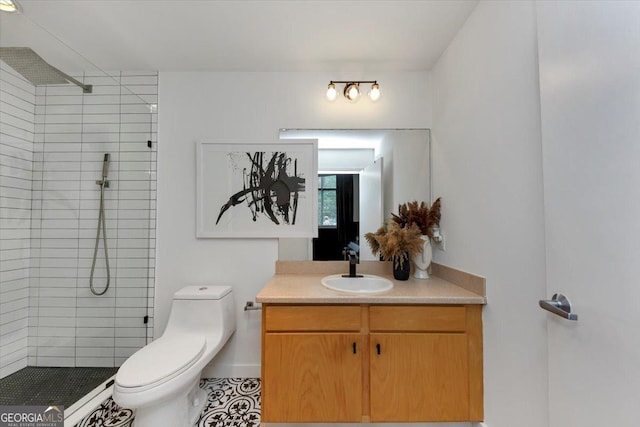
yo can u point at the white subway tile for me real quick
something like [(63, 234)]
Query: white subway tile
[(102, 352), (130, 342), (14, 336), (54, 341), (61, 362), (105, 362), (95, 332), (139, 312), (97, 302), (94, 342), (56, 332), (57, 302), (139, 332), (13, 362), (102, 128), (57, 142), (94, 312), (47, 312), (97, 322), (123, 353), (98, 109), (8, 348)]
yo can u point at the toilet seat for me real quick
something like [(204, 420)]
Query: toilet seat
[(163, 359)]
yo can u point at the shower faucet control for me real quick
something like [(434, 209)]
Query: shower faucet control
[(105, 170), (105, 165)]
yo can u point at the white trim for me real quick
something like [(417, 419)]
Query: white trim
[(83, 407)]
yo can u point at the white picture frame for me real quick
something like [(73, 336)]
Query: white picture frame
[(257, 189)]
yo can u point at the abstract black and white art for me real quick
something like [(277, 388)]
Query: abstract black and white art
[(257, 190)]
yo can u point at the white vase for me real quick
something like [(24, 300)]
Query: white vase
[(423, 260)]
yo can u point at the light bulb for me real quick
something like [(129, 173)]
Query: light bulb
[(351, 92), (10, 6), (374, 93), (331, 92)]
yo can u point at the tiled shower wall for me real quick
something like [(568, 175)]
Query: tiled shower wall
[(68, 325), (17, 107), (53, 142)]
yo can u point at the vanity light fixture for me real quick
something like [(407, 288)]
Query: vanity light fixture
[(351, 90), (10, 6)]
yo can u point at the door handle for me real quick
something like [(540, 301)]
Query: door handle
[(559, 305)]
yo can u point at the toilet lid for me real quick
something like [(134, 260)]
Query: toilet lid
[(162, 359)]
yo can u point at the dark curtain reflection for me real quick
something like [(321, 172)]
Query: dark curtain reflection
[(347, 231)]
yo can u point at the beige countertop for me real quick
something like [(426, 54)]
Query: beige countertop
[(298, 282)]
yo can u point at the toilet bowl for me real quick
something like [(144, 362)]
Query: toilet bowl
[(160, 381)]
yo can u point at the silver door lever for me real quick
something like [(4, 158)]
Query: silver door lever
[(560, 305)]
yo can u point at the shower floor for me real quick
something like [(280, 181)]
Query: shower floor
[(51, 386)]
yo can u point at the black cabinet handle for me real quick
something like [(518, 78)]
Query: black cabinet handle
[(378, 348), (354, 348)]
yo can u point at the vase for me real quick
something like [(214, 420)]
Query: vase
[(423, 260), (401, 267)]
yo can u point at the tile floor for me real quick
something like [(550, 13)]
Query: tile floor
[(232, 402), (35, 385)]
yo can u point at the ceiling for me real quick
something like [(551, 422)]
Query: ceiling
[(187, 35)]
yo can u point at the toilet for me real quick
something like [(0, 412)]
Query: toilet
[(160, 381)]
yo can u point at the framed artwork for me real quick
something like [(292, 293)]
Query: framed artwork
[(257, 189)]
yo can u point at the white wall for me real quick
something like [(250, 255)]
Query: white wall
[(487, 168), (590, 93), (239, 107), (406, 168)]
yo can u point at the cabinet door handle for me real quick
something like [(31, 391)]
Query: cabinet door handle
[(378, 348), (354, 348)]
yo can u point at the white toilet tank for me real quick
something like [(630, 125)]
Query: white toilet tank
[(208, 310)]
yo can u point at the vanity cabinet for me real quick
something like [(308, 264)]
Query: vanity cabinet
[(312, 364), (425, 363), (371, 363)]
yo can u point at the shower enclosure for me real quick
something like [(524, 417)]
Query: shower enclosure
[(73, 164)]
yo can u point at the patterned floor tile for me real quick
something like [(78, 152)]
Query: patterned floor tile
[(108, 414), (231, 402)]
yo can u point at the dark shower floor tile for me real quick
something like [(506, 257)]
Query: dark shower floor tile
[(51, 386)]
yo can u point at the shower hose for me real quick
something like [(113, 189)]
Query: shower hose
[(101, 224)]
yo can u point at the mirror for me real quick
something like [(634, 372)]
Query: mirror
[(386, 167)]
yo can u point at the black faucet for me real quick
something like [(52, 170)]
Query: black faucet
[(353, 260)]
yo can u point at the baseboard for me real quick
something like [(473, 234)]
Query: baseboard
[(216, 370)]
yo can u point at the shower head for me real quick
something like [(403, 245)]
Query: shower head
[(105, 166), (35, 69)]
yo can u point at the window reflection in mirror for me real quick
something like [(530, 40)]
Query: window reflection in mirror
[(327, 203), (381, 167), (338, 216)]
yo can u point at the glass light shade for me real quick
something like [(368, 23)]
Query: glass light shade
[(331, 92), (374, 93), (352, 92), (9, 6)]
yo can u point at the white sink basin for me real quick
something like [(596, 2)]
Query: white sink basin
[(368, 284)]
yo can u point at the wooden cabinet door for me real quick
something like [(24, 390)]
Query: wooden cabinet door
[(419, 377), (312, 377)]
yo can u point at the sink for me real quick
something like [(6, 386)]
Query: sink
[(368, 284)]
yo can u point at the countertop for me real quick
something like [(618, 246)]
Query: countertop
[(300, 284)]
